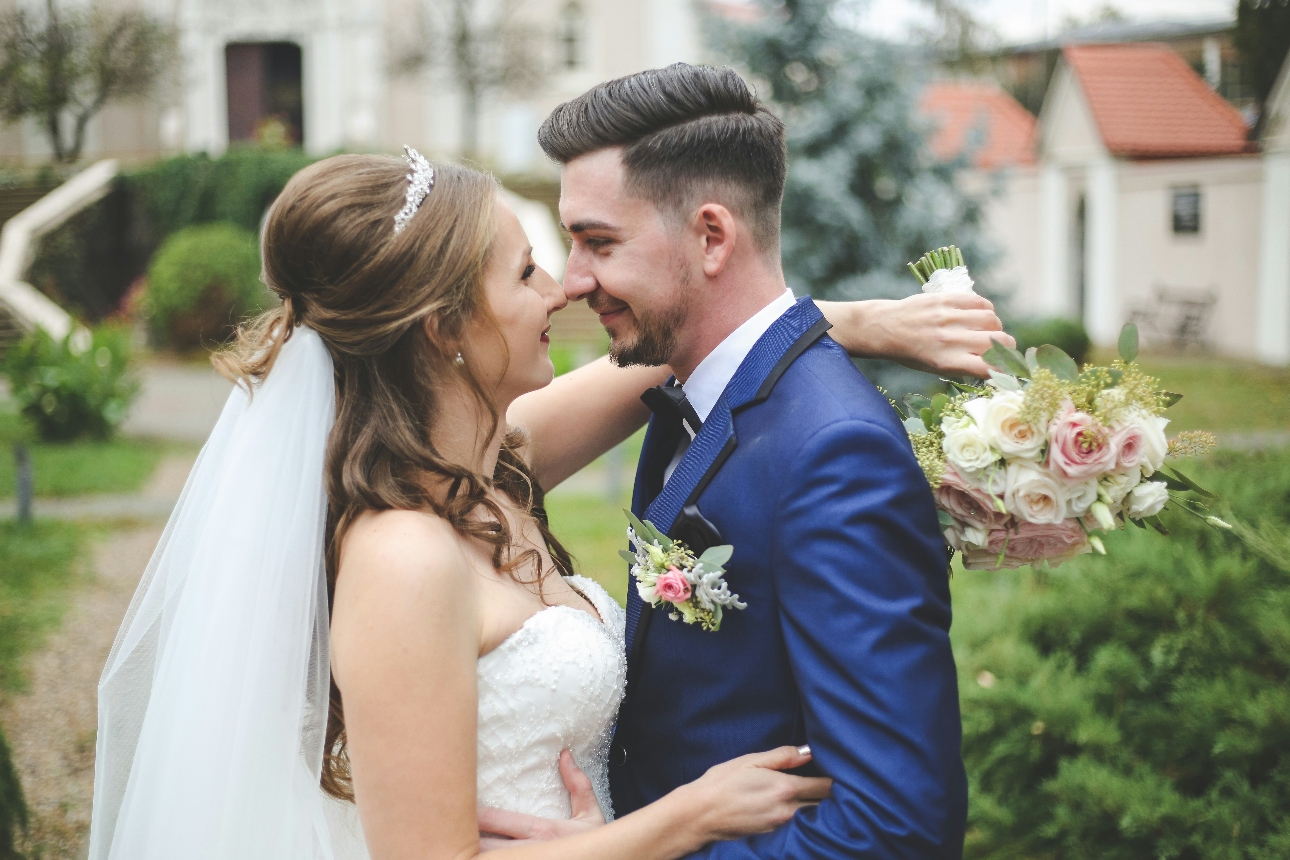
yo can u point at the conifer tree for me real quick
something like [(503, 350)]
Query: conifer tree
[(864, 196)]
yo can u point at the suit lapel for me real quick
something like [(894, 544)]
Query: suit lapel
[(777, 349)]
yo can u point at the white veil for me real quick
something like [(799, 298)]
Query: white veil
[(213, 703)]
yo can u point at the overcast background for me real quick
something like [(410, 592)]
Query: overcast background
[(1028, 20)]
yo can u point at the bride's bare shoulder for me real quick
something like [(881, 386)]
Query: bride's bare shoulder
[(400, 556)]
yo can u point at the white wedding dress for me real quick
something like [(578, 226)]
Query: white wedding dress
[(554, 684)]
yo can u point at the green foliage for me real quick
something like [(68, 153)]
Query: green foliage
[(1263, 37), (79, 386), (13, 806), (195, 189), (1067, 335), (1139, 705), (201, 283)]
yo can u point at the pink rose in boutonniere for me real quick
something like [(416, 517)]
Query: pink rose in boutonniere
[(673, 586), (668, 573)]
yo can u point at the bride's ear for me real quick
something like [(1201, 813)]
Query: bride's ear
[(450, 346)]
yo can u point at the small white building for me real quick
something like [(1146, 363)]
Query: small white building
[(1142, 198)]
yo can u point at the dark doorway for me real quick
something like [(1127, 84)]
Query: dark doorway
[(265, 101), (1079, 244)]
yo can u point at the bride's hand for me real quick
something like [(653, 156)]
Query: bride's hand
[(749, 795), (943, 333), (512, 829)]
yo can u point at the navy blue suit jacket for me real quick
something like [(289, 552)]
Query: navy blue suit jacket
[(804, 467)]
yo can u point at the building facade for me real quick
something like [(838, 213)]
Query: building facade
[(376, 74)]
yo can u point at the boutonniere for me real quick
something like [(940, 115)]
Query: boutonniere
[(668, 572)]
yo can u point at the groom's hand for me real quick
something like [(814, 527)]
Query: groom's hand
[(943, 333), (501, 829)]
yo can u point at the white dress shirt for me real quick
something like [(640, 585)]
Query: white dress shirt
[(704, 387)]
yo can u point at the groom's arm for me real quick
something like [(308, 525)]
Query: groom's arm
[(864, 608)]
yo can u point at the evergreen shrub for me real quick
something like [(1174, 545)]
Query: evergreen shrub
[(1066, 334), (81, 385), (201, 283), (1137, 705)]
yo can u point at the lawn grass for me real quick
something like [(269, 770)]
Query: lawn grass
[(1221, 394), (76, 468), (38, 564), (593, 530)]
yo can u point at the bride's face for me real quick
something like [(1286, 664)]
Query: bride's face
[(522, 297)]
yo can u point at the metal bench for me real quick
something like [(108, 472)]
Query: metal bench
[(1179, 317)]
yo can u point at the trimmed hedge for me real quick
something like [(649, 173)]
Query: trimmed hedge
[(1136, 705)]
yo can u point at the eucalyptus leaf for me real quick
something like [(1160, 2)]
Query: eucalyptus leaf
[(1129, 342), (1156, 524), (628, 556), (1006, 359), (1003, 381), (1169, 397), (717, 555), (1137, 523), (946, 520), (1190, 484), (1057, 362), (926, 414), (1032, 361), (914, 425)]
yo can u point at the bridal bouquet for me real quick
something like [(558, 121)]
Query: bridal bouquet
[(1031, 465), (668, 573)]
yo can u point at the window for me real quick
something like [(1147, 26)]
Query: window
[(571, 37), (1186, 210)]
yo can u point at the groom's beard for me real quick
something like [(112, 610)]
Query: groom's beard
[(655, 334)]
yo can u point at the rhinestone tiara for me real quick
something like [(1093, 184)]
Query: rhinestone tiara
[(420, 181)]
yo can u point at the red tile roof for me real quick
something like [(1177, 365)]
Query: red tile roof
[(1148, 103), (981, 116)]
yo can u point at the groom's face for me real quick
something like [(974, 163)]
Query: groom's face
[(626, 260)]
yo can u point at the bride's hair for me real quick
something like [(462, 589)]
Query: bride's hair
[(331, 253)]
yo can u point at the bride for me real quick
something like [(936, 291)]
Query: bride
[(358, 589)]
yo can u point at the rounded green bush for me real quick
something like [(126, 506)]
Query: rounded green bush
[(202, 282), (1067, 335)]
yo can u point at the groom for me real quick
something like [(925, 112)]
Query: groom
[(770, 440)]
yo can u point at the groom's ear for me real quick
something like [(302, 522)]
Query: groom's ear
[(717, 233)]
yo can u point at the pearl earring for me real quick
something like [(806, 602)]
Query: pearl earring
[(459, 361)]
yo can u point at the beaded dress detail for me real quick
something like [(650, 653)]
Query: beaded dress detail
[(555, 684)]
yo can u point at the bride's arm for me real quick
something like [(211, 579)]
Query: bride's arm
[(584, 413), (407, 623)]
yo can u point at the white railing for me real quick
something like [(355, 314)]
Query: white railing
[(26, 304)]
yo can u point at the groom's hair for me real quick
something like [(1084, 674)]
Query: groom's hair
[(690, 135)]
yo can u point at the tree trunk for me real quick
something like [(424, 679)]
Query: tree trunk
[(54, 131)]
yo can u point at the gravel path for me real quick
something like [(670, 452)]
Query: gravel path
[(51, 727)]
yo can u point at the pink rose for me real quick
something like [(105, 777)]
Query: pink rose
[(1130, 445), (1029, 543), (967, 503), (1079, 447), (673, 586)]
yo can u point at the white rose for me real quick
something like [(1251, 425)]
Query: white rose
[(1034, 495), (966, 446), (1011, 436), (1146, 499), (1080, 496), (1115, 486), (955, 280), (1154, 443)]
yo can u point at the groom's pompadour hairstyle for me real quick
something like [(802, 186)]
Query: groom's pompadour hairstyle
[(687, 133)]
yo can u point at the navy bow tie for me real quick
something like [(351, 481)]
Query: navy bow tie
[(670, 406)]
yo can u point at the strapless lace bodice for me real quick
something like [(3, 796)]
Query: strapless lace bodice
[(555, 684)]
